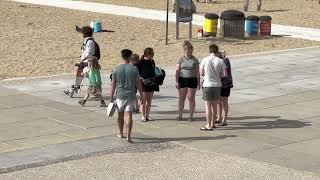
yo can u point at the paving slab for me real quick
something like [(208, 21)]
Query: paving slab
[(274, 114)]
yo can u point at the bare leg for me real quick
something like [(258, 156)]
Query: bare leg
[(129, 125), (208, 105), (84, 100), (192, 101), (220, 108), (214, 111), (259, 3), (86, 97), (120, 124), (182, 98), (148, 104), (225, 109), (246, 5), (143, 106)]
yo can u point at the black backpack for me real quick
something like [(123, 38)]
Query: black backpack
[(96, 48)]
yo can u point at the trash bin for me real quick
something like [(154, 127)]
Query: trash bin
[(97, 27), (210, 24), (265, 26), (232, 24), (252, 26)]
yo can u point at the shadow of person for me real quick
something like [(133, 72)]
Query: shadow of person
[(181, 139), (252, 117), (271, 124)]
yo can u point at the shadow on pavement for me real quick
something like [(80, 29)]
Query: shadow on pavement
[(253, 117), (275, 124), (182, 139)]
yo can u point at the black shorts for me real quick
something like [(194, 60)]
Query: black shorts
[(225, 92), (188, 83)]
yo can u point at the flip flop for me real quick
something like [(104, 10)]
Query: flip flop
[(119, 136), (150, 119), (144, 119), (206, 129), (223, 124)]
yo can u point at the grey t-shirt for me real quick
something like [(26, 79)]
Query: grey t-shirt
[(126, 76), (188, 67)]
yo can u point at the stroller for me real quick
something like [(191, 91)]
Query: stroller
[(76, 88)]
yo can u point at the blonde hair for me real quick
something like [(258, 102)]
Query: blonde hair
[(94, 62), (134, 58), (224, 53)]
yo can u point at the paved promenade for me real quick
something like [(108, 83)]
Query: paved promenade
[(282, 30), (275, 119)]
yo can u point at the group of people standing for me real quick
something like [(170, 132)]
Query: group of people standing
[(213, 75), (135, 74)]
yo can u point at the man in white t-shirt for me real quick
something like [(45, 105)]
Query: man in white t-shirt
[(212, 69)]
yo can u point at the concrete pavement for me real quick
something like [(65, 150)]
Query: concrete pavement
[(274, 118)]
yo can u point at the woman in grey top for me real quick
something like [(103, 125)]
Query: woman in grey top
[(187, 79)]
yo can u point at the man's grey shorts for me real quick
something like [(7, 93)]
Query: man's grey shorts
[(211, 93), (126, 105)]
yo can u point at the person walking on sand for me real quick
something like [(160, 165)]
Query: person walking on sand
[(92, 72), (187, 79), (212, 68), (146, 68), (227, 84), (125, 81)]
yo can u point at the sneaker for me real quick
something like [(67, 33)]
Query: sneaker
[(103, 104), (82, 102), (66, 92)]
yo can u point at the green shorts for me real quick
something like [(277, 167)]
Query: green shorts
[(211, 93)]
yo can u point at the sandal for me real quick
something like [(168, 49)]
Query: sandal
[(150, 119), (144, 119), (206, 129), (223, 124), (179, 118)]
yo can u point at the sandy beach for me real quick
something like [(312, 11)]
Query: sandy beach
[(38, 40), (286, 12)]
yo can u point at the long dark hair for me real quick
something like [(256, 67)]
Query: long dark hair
[(147, 52)]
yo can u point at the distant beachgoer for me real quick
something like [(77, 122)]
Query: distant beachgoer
[(92, 72), (146, 68), (125, 82), (89, 48), (187, 79), (227, 84), (134, 61), (212, 68)]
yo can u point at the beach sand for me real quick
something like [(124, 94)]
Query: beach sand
[(39, 40), (286, 12)]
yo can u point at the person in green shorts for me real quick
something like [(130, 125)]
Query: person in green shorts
[(212, 69), (92, 72)]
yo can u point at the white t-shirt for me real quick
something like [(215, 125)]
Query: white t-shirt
[(212, 67), (88, 49)]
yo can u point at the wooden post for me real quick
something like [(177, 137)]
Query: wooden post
[(167, 23), (190, 30), (177, 18), (246, 5)]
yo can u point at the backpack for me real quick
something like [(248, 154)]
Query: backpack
[(96, 48), (160, 76)]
